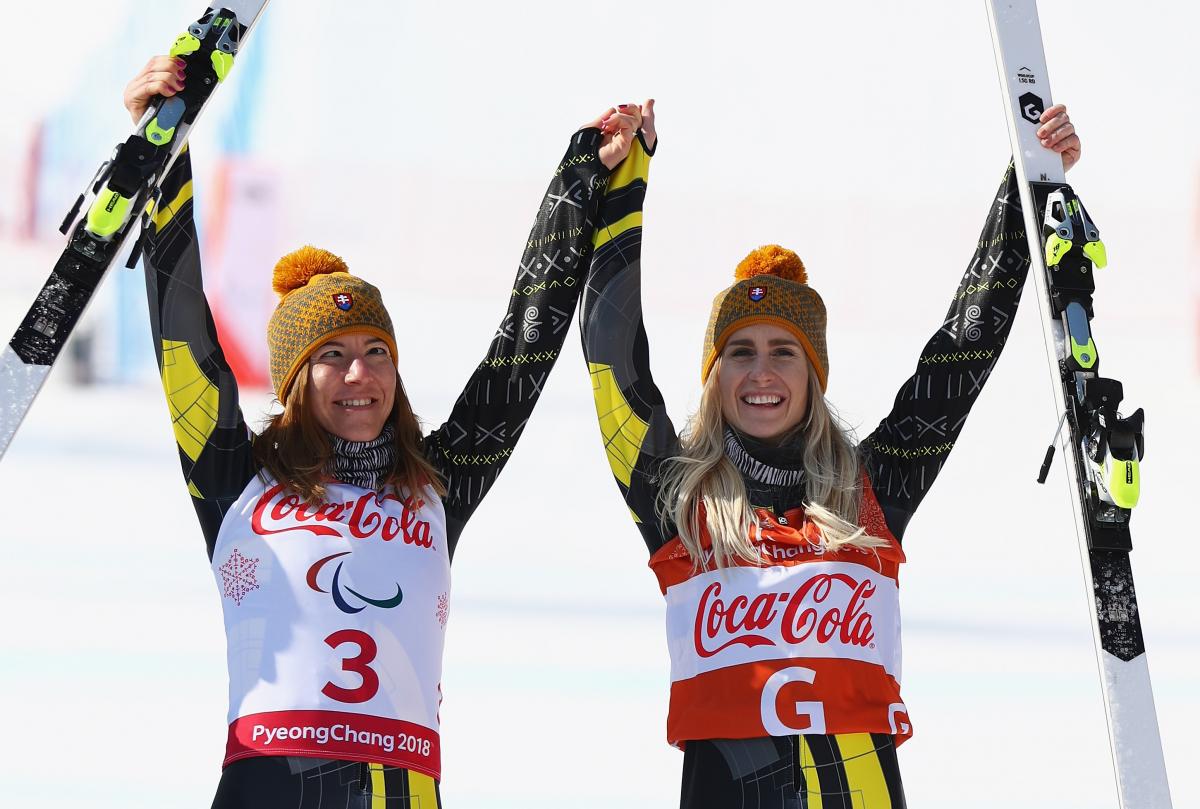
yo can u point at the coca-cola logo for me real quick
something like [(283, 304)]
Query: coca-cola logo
[(364, 517), (827, 607)]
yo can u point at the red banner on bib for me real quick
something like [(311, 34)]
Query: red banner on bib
[(333, 734)]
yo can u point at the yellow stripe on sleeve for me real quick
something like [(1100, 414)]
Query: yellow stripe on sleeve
[(191, 397), (604, 235), (863, 771), (165, 213), (635, 166), (623, 431)]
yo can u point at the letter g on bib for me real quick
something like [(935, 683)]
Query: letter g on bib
[(799, 716)]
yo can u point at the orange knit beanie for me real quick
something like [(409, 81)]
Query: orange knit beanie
[(318, 300), (771, 287)]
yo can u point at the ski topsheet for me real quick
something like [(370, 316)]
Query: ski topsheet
[(114, 204), (1101, 449)]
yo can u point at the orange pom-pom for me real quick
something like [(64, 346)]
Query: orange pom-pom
[(772, 260), (298, 267)]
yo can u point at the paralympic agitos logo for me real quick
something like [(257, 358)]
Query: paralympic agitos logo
[(335, 589)]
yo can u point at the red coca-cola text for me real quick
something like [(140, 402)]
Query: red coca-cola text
[(825, 607), (364, 517)]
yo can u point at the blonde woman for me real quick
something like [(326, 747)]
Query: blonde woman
[(775, 537)]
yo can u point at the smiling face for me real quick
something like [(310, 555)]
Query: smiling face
[(352, 386), (763, 381)]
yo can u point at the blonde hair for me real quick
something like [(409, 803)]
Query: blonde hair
[(294, 449), (702, 479)]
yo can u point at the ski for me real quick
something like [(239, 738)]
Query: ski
[(117, 200), (1101, 448)]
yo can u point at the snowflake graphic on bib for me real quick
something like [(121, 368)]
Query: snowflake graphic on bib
[(443, 609), (237, 576)]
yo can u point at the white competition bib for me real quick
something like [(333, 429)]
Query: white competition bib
[(335, 620)]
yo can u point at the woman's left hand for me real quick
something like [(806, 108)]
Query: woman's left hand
[(1057, 133)]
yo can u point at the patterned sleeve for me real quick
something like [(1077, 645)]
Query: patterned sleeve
[(907, 450), (475, 442), (202, 395), (637, 433)]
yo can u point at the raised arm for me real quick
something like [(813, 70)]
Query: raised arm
[(906, 451), (475, 442), (212, 437), (637, 433)]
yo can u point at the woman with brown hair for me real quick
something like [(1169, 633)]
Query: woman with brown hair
[(774, 535), (331, 534)]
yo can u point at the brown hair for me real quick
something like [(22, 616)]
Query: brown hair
[(294, 450)]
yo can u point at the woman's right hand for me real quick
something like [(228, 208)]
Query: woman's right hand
[(620, 126), (162, 76), (1057, 134)]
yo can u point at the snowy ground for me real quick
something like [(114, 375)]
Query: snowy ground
[(112, 674)]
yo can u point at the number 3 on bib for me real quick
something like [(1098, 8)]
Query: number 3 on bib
[(358, 664), (796, 716)]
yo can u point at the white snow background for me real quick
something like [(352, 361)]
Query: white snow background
[(415, 139)]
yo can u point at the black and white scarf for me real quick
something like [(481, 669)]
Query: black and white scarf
[(780, 466), (363, 463)]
